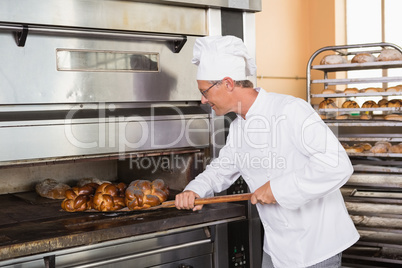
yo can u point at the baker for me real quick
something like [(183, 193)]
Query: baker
[(291, 161)]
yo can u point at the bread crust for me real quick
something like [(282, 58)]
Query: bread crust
[(50, 188)]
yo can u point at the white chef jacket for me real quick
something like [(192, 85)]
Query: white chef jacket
[(283, 140)]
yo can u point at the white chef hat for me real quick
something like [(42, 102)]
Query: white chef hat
[(221, 56)]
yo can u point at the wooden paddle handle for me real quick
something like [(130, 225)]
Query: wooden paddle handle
[(213, 200)]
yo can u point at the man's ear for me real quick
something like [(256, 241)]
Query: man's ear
[(229, 83)]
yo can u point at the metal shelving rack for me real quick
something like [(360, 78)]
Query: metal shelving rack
[(373, 194)]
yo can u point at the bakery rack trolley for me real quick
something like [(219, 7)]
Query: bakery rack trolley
[(373, 194)]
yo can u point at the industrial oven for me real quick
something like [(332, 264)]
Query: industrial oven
[(373, 194), (106, 89)]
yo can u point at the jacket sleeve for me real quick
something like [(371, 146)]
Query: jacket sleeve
[(327, 166), (219, 175)]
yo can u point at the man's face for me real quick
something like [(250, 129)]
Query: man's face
[(214, 95)]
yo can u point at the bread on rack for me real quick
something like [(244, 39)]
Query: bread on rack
[(354, 149), (327, 104), (389, 54), (79, 198), (380, 147), (366, 117), (363, 57), (342, 117), (394, 103), (393, 89), (142, 194), (328, 91), (109, 197), (351, 90), (372, 90), (333, 59), (323, 116), (350, 104), (365, 145), (396, 149), (393, 117), (52, 189), (383, 103), (370, 104)]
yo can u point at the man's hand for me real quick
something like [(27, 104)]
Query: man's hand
[(263, 195), (185, 200)]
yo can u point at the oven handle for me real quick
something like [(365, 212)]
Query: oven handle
[(21, 32), (143, 254)]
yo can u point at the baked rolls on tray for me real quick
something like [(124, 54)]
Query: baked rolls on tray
[(389, 54), (327, 104), (350, 104)]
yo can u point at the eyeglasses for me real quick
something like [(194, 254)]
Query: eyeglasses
[(204, 92)]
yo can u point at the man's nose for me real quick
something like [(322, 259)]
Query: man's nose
[(204, 100)]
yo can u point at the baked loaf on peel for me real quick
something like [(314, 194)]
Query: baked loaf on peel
[(79, 198), (109, 197), (142, 194)]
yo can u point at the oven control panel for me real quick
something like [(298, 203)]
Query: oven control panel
[(238, 245), (239, 187)]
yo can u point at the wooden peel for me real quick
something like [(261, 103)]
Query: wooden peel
[(208, 200), (198, 201)]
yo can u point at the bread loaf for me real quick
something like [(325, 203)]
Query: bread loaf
[(342, 117), (370, 104), (393, 89), (333, 59), (389, 54), (363, 57), (354, 149), (109, 197), (350, 104), (366, 146), (142, 194), (351, 90), (366, 117), (396, 149), (328, 91), (379, 149), (394, 103), (394, 117), (79, 198), (383, 103), (52, 189), (373, 90), (327, 104)]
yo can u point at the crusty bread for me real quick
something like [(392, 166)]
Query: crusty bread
[(394, 117), (396, 149), (327, 104), (333, 59), (394, 103), (389, 54), (354, 149), (363, 57), (342, 117), (373, 90), (351, 90), (383, 103), (370, 104), (365, 145), (328, 91), (52, 189), (393, 89), (350, 104), (366, 117)]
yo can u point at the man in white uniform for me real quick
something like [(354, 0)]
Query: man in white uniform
[(291, 161)]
